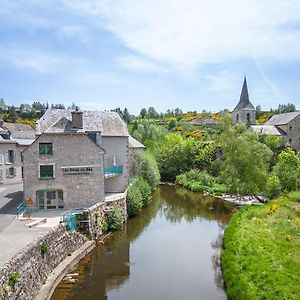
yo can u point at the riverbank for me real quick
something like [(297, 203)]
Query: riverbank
[(261, 252)]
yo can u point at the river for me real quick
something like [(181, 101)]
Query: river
[(169, 252)]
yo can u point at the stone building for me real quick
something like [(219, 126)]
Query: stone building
[(244, 112), (14, 137), (135, 147), (77, 158), (288, 124)]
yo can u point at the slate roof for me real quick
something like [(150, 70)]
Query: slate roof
[(205, 121), (282, 119), (133, 143), (19, 130), (59, 120), (267, 129), (244, 103)]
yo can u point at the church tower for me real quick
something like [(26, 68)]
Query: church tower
[(244, 112)]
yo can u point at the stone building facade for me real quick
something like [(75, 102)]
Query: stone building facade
[(86, 155), (288, 124), (63, 171), (10, 162)]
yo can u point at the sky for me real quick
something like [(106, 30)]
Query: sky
[(191, 54)]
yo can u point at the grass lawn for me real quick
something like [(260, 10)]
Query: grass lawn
[(261, 257)]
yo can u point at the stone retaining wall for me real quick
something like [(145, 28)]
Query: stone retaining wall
[(98, 212), (32, 265)]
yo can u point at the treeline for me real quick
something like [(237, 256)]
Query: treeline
[(233, 159), (27, 113)]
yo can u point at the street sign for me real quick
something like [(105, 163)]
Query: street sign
[(29, 201)]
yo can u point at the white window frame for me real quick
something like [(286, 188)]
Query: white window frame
[(39, 171)]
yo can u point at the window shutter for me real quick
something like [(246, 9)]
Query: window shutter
[(15, 171), (1, 175), (6, 156), (1, 157), (7, 172), (15, 156)]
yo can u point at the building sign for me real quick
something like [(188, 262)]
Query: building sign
[(77, 170), (29, 201)]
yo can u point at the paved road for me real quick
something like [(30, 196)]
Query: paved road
[(10, 197)]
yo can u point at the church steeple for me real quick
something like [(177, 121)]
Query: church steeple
[(244, 102), (244, 112)]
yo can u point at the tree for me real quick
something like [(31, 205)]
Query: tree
[(73, 106), (145, 166), (143, 113), (152, 113), (245, 161), (287, 170), (12, 115), (176, 156), (126, 116), (3, 106)]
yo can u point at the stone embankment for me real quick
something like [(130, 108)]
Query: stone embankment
[(38, 268), (23, 276)]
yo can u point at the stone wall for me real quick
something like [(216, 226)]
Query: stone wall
[(33, 265), (98, 212)]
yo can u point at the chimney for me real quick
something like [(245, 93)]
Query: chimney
[(77, 121)]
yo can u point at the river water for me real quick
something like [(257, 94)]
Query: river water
[(169, 252)]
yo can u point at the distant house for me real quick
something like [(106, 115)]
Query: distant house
[(14, 137), (76, 159), (288, 124), (205, 121)]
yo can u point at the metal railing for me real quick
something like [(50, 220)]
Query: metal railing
[(113, 171), (21, 209), (70, 218)]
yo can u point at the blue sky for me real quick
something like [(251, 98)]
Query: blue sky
[(191, 54)]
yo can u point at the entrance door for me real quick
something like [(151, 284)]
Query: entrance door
[(49, 199)]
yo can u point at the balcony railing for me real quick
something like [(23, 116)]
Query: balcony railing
[(113, 171)]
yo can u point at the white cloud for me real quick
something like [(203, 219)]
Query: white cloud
[(224, 81), (186, 34), (33, 59), (138, 64)]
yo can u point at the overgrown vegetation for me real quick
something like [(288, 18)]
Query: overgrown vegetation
[(13, 279), (44, 248), (115, 219), (261, 256)]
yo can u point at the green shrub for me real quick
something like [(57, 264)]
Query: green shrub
[(115, 218), (44, 247), (105, 226), (145, 166), (294, 196), (145, 190), (273, 186), (13, 279), (134, 200)]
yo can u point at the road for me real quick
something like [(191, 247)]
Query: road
[(10, 197)]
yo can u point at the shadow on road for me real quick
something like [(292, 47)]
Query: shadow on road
[(10, 207)]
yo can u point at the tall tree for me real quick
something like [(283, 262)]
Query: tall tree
[(143, 113)]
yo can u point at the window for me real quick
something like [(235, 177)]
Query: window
[(248, 118), (237, 118), (290, 141), (45, 149), (49, 199), (10, 156), (291, 128), (11, 172), (46, 171)]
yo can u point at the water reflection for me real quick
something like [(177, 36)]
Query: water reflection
[(171, 251)]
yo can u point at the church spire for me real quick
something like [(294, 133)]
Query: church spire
[(244, 98)]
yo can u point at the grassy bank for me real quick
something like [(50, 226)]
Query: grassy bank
[(261, 259)]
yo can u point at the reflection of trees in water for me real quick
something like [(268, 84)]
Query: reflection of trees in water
[(107, 267), (181, 203), (217, 245)]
